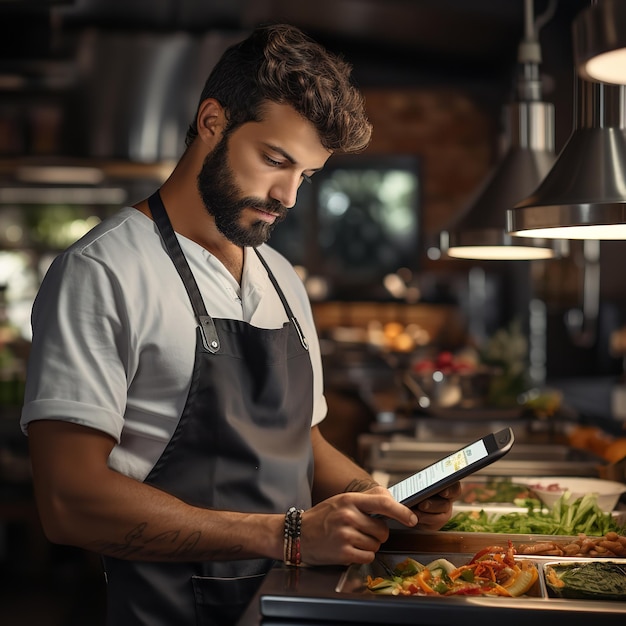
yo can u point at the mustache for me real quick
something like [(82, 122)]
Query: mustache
[(270, 206)]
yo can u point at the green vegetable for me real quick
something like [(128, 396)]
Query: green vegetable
[(408, 567), (580, 516), (441, 587), (468, 575), (495, 489), (527, 503), (441, 564)]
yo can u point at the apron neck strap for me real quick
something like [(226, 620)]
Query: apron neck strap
[(207, 326), (281, 295), (161, 219)]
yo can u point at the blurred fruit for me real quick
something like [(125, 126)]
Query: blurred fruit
[(590, 438), (543, 403), (447, 363), (392, 329), (616, 450), (403, 342), (445, 359), (424, 366)]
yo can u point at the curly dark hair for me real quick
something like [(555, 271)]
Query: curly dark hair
[(279, 63)]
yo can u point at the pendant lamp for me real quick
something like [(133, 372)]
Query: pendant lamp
[(480, 233), (584, 194), (599, 34), (529, 126)]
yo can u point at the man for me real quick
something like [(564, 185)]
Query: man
[(174, 389)]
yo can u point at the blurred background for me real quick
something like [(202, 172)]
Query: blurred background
[(95, 100)]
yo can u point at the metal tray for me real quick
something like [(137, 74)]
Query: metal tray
[(352, 581), (330, 596), (435, 542), (405, 456), (574, 561)]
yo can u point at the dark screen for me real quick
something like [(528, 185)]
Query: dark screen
[(358, 221)]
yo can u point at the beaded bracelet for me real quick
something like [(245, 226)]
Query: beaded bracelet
[(292, 532)]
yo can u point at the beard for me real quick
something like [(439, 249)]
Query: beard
[(223, 200)]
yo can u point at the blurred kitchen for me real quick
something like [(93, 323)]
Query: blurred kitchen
[(426, 340)]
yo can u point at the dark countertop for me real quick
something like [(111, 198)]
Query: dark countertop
[(323, 596)]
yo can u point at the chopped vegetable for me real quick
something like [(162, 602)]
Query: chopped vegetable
[(408, 567), (491, 572), (441, 564)]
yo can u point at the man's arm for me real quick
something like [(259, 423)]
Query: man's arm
[(334, 471), (82, 502)]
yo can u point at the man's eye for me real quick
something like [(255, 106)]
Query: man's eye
[(272, 162)]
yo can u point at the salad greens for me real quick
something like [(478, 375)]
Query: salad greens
[(565, 518)]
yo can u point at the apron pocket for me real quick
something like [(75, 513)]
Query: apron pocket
[(221, 601)]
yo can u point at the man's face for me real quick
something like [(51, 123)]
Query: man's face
[(250, 179), (226, 202)]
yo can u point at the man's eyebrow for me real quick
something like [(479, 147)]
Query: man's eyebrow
[(289, 158)]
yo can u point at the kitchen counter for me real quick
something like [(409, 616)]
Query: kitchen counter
[(309, 596), (329, 596)]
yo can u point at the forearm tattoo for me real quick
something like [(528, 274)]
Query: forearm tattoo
[(361, 484), (170, 546)]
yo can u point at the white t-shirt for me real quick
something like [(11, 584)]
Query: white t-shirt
[(114, 333)]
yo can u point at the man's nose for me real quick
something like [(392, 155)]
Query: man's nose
[(285, 190)]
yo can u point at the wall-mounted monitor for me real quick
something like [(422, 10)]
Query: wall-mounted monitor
[(357, 221)]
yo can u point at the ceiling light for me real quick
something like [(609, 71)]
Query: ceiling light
[(599, 35), (584, 194), (62, 195), (480, 231), (59, 174)]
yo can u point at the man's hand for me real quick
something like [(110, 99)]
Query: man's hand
[(434, 512), (343, 530)]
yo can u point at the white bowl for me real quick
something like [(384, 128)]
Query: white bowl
[(550, 489)]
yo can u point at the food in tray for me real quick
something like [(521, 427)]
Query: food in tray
[(609, 545), (589, 580), (567, 517), (492, 571), (496, 490)]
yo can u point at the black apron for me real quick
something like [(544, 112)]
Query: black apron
[(242, 444)]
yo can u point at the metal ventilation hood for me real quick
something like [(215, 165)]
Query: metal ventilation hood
[(114, 118), (124, 75), (113, 84), (137, 93)]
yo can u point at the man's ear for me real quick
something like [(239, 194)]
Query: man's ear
[(211, 120)]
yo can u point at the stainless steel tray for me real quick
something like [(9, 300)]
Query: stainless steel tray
[(405, 456), (337, 597), (352, 581), (573, 562)]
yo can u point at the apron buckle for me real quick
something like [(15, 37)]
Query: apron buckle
[(209, 334)]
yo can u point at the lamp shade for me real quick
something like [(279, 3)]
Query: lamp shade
[(480, 232), (599, 35), (584, 194)]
